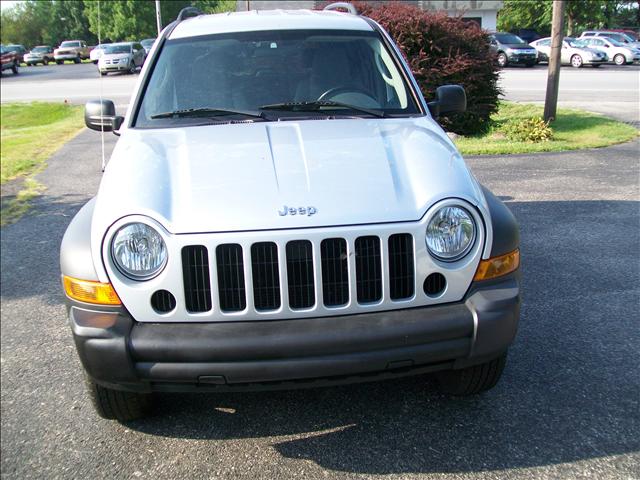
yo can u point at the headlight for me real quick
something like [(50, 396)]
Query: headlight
[(451, 233), (139, 251)]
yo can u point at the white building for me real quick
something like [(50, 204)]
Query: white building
[(483, 12)]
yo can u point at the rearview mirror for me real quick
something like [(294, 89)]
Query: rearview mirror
[(449, 99), (99, 115)]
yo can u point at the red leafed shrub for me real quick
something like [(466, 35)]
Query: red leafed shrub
[(442, 50)]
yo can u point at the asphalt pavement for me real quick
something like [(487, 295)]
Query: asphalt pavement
[(611, 90), (567, 406)]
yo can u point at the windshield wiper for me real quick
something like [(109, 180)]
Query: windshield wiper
[(206, 112), (316, 105)]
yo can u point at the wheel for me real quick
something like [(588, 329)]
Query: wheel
[(103, 73), (14, 69), (132, 68), (502, 60), (473, 380), (59, 62), (45, 62), (76, 60), (95, 62), (576, 61), (119, 405), (619, 59)]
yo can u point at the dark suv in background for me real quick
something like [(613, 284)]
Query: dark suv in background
[(511, 49)]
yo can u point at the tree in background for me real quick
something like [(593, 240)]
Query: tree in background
[(580, 15), (124, 20), (49, 22)]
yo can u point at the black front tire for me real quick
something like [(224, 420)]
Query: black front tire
[(118, 405), (473, 380), (76, 60), (59, 62), (14, 69)]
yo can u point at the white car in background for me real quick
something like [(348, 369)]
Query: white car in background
[(619, 53), (574, 52), (121, 57), (97, 52)]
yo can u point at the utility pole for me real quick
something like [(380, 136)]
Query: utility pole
[(158, 16), (553, 79)]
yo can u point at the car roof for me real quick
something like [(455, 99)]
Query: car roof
[(268, 20)]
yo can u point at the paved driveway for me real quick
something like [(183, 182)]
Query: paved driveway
[(567, 407)]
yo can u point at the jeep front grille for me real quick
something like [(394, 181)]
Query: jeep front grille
[(231, 277), (401, 274), (300, 274), (266, 281), (335, 272), (344, 271), (197, 282)]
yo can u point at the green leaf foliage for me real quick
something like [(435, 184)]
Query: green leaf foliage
[(443, 50)]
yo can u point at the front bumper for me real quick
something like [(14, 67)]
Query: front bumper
[(521, 58), (128, 355), (120, 67)]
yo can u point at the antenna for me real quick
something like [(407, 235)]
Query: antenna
[(104, 163)]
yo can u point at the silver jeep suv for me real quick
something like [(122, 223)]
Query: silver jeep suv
[(282, 209)]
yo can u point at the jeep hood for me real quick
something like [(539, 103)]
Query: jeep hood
[(235, 177)]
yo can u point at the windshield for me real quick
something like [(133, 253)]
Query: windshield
[(508, 39), (40, 49), (616, 43), (117, 49), (147, 42), (251, 70), (69, 44), (576, 42)]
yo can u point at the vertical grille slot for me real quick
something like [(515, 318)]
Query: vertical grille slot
[(335, 272), (231, 277), (368, 269), (300, 274), (266, 283), (401, 274), (195, 274)]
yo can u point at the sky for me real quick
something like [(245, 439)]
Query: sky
[(7, 3)]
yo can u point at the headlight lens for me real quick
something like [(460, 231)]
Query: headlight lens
[(139, 251), (451, 233)]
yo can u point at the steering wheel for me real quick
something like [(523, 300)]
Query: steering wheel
[(332, 92)]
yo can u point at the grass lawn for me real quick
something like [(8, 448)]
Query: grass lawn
[(572, 130), (29, 134)]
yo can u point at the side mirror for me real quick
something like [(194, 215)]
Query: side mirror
[(99, 115), (449, 99), (117, 123)]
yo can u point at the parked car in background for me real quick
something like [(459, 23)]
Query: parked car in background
[(574, 52), (8, 60), (617, 52), (527, 34), (147, 43), (19, 50), (41, 54), (121, 57), (75, 50), (620, 37), (97, 51), (511, 49)]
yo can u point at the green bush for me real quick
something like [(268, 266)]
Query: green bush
[(444, 50), (531, 130)]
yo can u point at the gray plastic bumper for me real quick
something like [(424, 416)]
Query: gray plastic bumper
[(119, 352)]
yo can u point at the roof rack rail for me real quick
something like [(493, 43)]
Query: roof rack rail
[(187, 12), (346, 5)]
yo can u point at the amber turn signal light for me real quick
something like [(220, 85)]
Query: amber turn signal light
[(90, 292), (498, 266)]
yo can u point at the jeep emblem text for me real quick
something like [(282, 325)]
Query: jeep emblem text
[(308, 211)]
